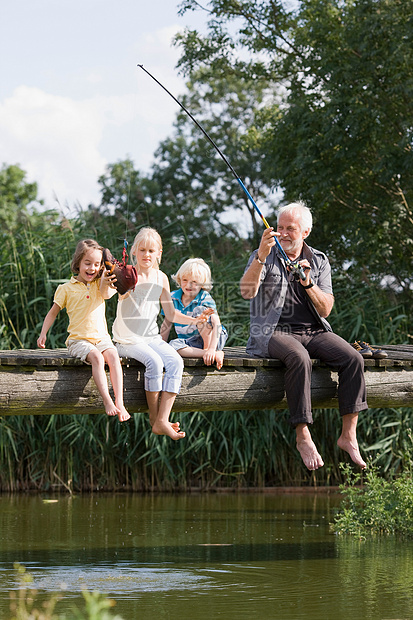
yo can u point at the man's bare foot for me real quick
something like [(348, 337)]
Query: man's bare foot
[(306, 447), (309, 454), (166, 428), (219, 359), (123, 415), (352, 448)]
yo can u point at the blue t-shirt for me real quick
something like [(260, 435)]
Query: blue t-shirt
[(194, 308)]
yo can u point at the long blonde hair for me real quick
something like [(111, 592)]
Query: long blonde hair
[(146, 234)]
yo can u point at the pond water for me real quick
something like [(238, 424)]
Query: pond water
[(196, 557)]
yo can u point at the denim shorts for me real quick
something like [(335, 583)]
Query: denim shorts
[(197, 343)]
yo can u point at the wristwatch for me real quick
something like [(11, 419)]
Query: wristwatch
[(260, 261), (309, 285)]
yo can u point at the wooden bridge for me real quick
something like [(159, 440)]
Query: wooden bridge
[(51, 382)]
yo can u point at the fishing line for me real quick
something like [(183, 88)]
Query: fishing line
[(293, 265), (125, 242)]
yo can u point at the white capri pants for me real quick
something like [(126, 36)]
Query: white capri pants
[(156, 356)]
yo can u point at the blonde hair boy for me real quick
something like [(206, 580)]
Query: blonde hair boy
[(203, 341), (196, 269)]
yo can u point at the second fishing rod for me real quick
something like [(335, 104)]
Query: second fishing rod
[(294, 266)]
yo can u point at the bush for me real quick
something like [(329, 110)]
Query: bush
[(379, 506)]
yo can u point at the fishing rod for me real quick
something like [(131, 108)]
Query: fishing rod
[(294, 266)]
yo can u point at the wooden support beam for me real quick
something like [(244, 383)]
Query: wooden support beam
[(51, 382)]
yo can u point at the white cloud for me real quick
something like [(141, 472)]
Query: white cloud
[(66, 116), (55, 140), (64, 144)]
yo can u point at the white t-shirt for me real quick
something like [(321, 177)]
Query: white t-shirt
[(136, 314)]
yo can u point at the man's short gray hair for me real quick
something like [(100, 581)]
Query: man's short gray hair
[(304, 214)]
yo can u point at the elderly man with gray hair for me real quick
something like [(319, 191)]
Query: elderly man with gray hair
[(288, 322)]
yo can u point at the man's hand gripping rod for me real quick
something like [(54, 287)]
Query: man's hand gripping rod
[(294, 266)]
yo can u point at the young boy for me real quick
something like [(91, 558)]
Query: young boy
[(203, 340)]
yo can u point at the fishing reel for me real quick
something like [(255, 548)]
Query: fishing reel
[(296, 269)]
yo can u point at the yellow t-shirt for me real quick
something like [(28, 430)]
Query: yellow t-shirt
[(86, 309)]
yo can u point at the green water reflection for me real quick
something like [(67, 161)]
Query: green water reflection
[(204, 556)]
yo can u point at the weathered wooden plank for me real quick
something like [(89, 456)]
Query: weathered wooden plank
[(45, 382), (390, 386)]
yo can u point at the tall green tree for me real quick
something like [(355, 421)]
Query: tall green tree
[(124, 206), (340, 135), (194, 177), (130, 200), (190, 196), (16, 194)]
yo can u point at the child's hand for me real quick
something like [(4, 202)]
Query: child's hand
[(202, 318), (108, 279), (41, 342)]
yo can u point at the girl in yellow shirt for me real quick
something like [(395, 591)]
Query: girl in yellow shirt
[(84, 299)]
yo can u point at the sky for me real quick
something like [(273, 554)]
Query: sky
[(72, 98)]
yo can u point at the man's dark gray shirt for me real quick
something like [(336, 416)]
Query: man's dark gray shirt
[(266, 307)]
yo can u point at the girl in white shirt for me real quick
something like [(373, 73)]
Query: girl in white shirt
[(136, 333)]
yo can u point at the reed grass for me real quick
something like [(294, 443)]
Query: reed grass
[(237, 449), (222, 450)]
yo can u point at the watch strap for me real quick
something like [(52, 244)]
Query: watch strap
[(260, 261)]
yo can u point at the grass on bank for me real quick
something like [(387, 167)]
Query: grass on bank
[(27, 604), (378, 506)]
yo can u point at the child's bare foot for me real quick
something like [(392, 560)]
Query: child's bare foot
[(352, 448), (166, 428), (175, 425), (123, 415), (219, 359), (111, 408)]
